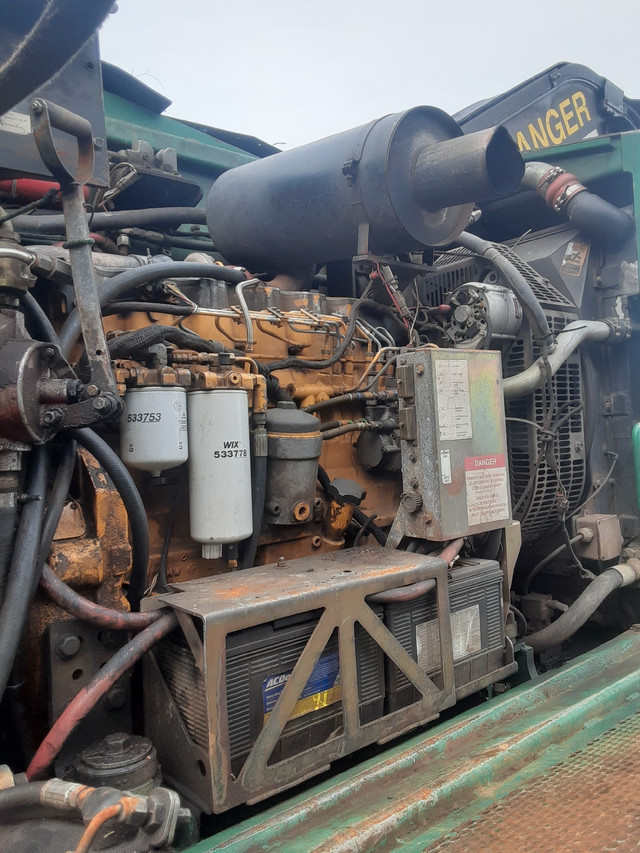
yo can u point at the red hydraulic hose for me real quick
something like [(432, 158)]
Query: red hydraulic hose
[(415, 590), (105, 617), (99, 685)]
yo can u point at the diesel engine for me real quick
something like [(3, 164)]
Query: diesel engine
[(298, 450)]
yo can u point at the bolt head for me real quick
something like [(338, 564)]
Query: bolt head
[(51, 417), (68, 646), (116, 698), (118, 742)]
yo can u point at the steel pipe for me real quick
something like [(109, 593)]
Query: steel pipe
[(567, 341)]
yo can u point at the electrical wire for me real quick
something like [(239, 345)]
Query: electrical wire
[(96, 614), (602, 484), (546, 560), (84, 701)]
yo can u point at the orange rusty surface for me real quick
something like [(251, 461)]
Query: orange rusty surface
[(97, 564), (586, 803)]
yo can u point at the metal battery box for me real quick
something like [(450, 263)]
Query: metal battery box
[(277, 671), (480, 653), (260, 661), (453, 443)]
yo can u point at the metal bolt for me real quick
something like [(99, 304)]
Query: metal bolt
[(98, 143), (68, 646), (420, 369), (49, 352), (118, 742), (413, 457), (92, 390), (116, 698), (579, 446), (51, 417), (100, 403), (282, 563), (37, 106)]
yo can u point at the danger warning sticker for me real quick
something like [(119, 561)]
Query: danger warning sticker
[(487, 493)]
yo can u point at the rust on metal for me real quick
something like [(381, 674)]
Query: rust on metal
[(334, 585)]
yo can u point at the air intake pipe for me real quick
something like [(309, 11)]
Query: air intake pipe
[(399, 183)]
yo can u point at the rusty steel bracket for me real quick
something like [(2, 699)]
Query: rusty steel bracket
[(46, 116), (334, 587)]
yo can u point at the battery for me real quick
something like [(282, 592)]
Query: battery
[(259, 662), (477, 632)]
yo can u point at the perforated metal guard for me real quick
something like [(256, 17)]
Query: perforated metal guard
[(541, 508), (586, 803)]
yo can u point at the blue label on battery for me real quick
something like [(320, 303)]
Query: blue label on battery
[(322, 689)]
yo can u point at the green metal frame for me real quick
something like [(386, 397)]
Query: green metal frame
[(414, 794), (200, 157)]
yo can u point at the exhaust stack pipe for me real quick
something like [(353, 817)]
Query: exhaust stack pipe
[(397, 184), (477, 167)]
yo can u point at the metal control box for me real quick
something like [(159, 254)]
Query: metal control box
[(454, 446), (481, 655)]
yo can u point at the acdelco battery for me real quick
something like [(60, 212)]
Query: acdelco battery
[(260, 661), (480, 653)]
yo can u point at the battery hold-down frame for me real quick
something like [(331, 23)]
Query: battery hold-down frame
[(187, 714)]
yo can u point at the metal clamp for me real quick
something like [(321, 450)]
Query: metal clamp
[(44, 117)]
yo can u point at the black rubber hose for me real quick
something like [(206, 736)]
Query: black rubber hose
[(55, 37), (55, 504), (154, 307), (293, 361), (113, 287), (43, 327), (518, 283), (132, 501), (131, 342), (8, 523), (21, 797), (582, 608), (54, 223), (596, 217), (259, 489), (24, 563), (104, 617), (402, 593)]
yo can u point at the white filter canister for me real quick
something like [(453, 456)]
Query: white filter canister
[(153, 429), (219, 469)]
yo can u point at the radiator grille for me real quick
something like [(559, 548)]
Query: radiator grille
[(538, 512), (463, 266)]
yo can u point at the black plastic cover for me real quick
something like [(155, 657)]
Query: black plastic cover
[(563, 104), (78, 87)]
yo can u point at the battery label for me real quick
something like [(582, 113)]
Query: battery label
[(466, 638), (321, 690), (487, 493)]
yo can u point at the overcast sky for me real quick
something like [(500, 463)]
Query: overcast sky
[(290, 72)]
